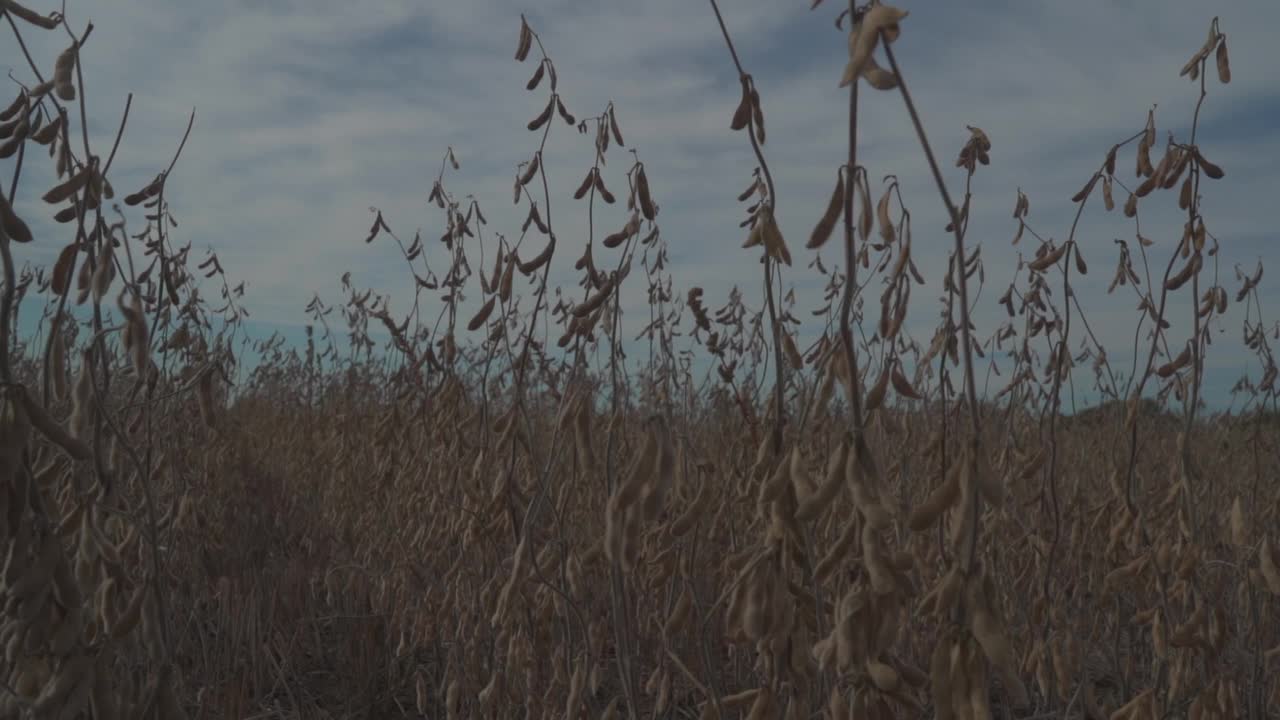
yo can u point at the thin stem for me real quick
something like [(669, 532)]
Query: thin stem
[(851, 264), (970, 383)]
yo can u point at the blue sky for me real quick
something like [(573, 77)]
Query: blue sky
[(308, 113)]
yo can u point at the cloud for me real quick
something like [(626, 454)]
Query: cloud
[(309, 113)]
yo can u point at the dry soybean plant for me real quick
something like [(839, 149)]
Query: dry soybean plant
[(91, 481), (485, 506)]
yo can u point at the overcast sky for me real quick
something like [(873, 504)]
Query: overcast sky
[(308, 112)]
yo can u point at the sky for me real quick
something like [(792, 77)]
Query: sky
[(310, 113)]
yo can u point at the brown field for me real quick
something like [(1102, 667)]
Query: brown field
[(486, 516)]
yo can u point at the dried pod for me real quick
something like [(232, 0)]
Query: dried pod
[(886, 223), (1179, 159), (943, 497), (1239, 526), (587, 181), (813, 505), (878, 20), (991, 637), (480, 317), (1048, 259), (1192, 267), (104, 272), (835, 206), (11, 225), (504, 285), (775, 245), (757, 116), (19, 102), (1213, 171), (1084, 191), (539, 260), (864, 199), (1192, 68), (1022, 206), (742, 114), (1144, 168), (45, 22), (1146, 186), (58, 362), (543, 116), (564, 114), (592, 303), (646, 201), (525, 42), (849, 75), (789, 348), (885, 678), (63, 85), (1131, 206), (18, 128), (71, 186), (604, 191), (613, 240), (531, 170), (1224, 63), (940, 679), (613, 127), (137, 338), (901, 385), (537, 76), (875, 396), (878, 77)]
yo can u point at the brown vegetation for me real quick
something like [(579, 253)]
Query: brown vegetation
[(478, 524)]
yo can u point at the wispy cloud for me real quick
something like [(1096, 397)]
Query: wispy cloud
[(309, 112)]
